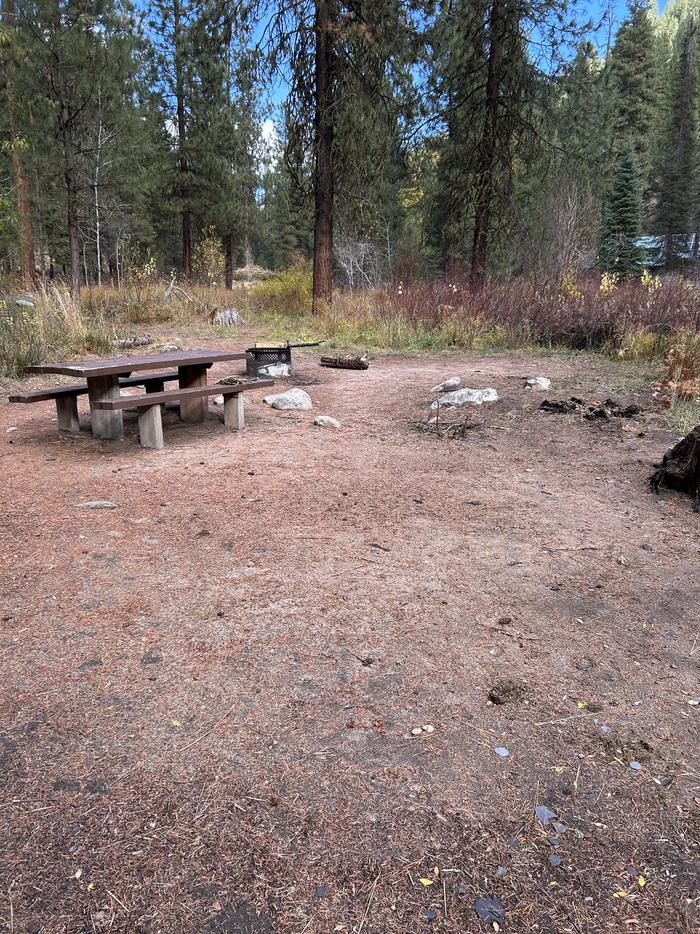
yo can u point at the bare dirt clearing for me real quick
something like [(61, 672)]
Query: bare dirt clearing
[(208, 692)]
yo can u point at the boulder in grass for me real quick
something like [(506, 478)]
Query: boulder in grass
[(293, 400), (448, 385), (466, 397)]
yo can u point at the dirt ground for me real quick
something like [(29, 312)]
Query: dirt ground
[(208, 692)]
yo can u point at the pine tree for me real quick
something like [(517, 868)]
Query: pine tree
[(676, 211), (620, 251), (634, 84)]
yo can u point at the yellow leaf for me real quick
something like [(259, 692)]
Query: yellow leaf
[(436, 871), (642, 882), (91, 886), (581, 704), (558, 769), (176, 723), (426, 881), (619, 894)]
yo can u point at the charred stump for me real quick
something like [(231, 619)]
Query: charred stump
[(680, 467)]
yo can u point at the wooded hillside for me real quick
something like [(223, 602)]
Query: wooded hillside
[(399, 136)]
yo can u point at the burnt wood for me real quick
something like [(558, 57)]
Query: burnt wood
[(111, 366), (175, 395)]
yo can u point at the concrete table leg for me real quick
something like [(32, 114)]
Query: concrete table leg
[(150, 427), (105, 424), (193, 410), (67, 409), (234, 418)]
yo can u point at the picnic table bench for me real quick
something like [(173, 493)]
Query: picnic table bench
[(105, 377)]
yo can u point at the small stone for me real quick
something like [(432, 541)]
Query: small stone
[(554, 859), (647, 546), (416, 731), (431, 914), (428, 728), (322, 891), (218, 400), (558, 827), (326, 421), (544, 815), (13, 428), (97, 504), (501, 872), (448, 385), (635, 766), (275, 370), (502, 751), (584, 665), (538, 383)]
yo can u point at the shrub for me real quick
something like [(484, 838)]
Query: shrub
[(287, 293)]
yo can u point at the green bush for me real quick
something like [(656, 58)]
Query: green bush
[(288, 293)]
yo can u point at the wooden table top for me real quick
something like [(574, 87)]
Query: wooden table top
[(111, 366)]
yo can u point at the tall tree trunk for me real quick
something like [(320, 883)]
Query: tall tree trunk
[(178, 55), (228, 261), (96, 186), (22, 194), (72, 199), (323, 179), (489, 145)]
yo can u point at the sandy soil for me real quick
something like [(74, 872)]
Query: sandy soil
[(208, 692)]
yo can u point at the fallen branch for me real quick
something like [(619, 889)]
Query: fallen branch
[(369, 902), (346, 363)]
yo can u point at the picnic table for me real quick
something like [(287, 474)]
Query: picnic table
[(105, 375)]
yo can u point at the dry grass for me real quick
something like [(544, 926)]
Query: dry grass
[(650, 320), (50, 323)]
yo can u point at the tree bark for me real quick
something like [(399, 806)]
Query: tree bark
[(228, 261), (182, 142), (322, 294), (70, 175), (489, 146), (22, 193)]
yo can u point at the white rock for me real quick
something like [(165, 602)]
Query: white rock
[(466, 397), (428, 728), (218, 400), (538, 382), (275, 370), (449, 385), (97, 504), (326, 421), (12, 428), (416, 731), (292, 400)]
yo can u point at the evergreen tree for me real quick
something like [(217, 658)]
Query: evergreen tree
[(677, 213), (634, 84), (620, 251)]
